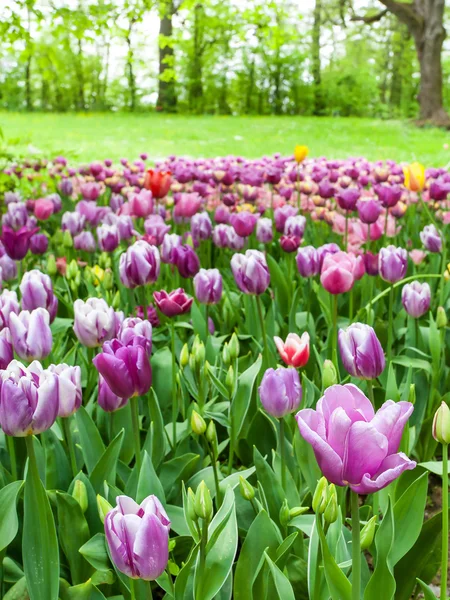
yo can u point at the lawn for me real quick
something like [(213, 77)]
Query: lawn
[(86, 137)]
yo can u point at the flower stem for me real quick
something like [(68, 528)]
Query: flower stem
[(202, 557), (132, 589), (390, 324), (136, 433), (444, 268), (174, 387), (231, 448), (12, 456), (346, 231), (263, 330), (334, 357), (32, 464), (370, 391), (444, 569), (356, 548), (206, 323), (282, 454), (70, 446)]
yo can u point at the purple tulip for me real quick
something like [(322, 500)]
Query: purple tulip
[(124, 224), (126, 369), (308, 264), (280, 391), (174, 303), (39, 243), (69, 388), (264, 231), (8, 304), (66, 187), (8, 267), (156, 228), (138, 537), (369, 210), (431, 239), (108, 237), (388, 195), (6, 348), (222, 215), (201, 226), (106, 398), (416, 298), (326, 189), (31, 334), (116, 202), (392, 263), (353, 445), (371, 263), (37, 291), (251, 272), (90, 191), (282, 214), (139, 265), (73, 222), (17, 243), (95, 322), (361, 351), (243, 223), (295, 226), (169, 243), (348, 198), (322, 251), (16, 215), (208, 286), (186, 261), (28, 399), (439, 190), (289, 243), (84, 241), (136, 331)]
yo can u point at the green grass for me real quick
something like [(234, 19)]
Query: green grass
[(86, 137)]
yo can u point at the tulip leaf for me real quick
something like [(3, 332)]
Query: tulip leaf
[(382, 583), (408, 517), (57, 467), (428, 593), (174, 471), (9, 522), (434, 466), (338, 584), (91, 442), (148, 481), (94, 551), (84, 591), (220, 387), (392, 392), (184, 584), (157, 449), (243, 397), (40, 545), (73, 532), (105, 469), (278, 281), (262, 535), (415, 363), (282, 584), (162, 376), (91, 514)]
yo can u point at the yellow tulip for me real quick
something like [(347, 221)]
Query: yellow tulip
[(300, 153), (246, 206), (99, 275), (414, 177)]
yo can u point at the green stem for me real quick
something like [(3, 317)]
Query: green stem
[(282, 454), (12, 456), (334, 357), (370, 391), (207, 325), (202, 558), (32, 464), (444, 268), (111, 426), (350, 306), (132, 589), (356, 548), (136, 433), (390, 324), (174, 386), (70, 446), (346, 231), (444, 569), (216, 477), (231, 448), (386, 224), (263, 330), (308, 301)]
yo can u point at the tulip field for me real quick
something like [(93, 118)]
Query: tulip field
[(224, 378)]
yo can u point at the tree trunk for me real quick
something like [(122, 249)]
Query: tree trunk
[(316, 64), (81, 99), (28, 99), (167, 98), (250, 88), (130, 71)]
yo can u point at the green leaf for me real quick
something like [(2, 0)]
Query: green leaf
[(73, 533), (279, 284), (94, 551), (428, 593), (338, 584), (174, 471), (158, 437), (416, 363), (40, 545), (392, 392), (434, 466), (91, 442), (272, 487), (105, 469), (220, 387), (9, 522), (282, 584), (382, 582), (148, 481), (242, 399)]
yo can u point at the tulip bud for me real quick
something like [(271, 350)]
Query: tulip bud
[(199, 354), (284, 513), (192, 364), (226, 355), (329, 375), (67, 241), (104, 260), (331, 511), (203, 503), (234, 347), (297, 511), (51, 265), (116, 300), (197, 423), (108, 280), (319, 502), (229, 380), (80, 494), (441, 318), (190, 509), (184, 356), (72, 269), (211, 436), (246, 489), (103, 507), (412, 393), (441, 424), (368, 533), (57, 238)]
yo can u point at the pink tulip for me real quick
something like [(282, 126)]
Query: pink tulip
[(295, 350), (43, 209), (338, 271)]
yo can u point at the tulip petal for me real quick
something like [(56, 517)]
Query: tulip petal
[(338, 428), (390, 421), (391, 468), (115, 373), (151, 547), (365, 450), (15, 411)]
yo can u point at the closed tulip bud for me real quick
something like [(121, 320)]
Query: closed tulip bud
[(368, 533), (234, 347), (67, 239), (229, 380), (331, 511), (184, 356), (203, 503), (284, 513), (190, 505), (192, 363), (412, 393), (199, 354), (104, 260), (297, 511), (319, 502), (246, 489), (80, 494), (197, 423), (116, 300), (441, 424), (108, 280), (103, 507), (72, 269), (226, 354), (441, 318), (51, 265), (329, 374)]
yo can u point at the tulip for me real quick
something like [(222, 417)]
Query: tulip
[(150, 314), (8, 267), (16, 215), (37, 291), (141, 205), (282, 214), (95, 322), (6, 348), (300, 153), (69, 388), (337, 275), (186, 261), (388, 195), (39, 243), (414, 177), (295, 351), (431, 239), (416, 298), (353, 445), (371, 263), (280, 391), (322, 251), (289, 243), (251, 272), (187, 205), (73, 222), (361, 351), (156, 228), (135, 331), (8, 304), (368, 210), (158, 182), (84, 241), (169, 243), (348, 198), (243, 223), (43, 208), (264, 233), (17, 243), (90, 191), (28, 399), (392, 263), (106, 398), (174, 303), (31, 334), (139, 265), (208, 286), (108, 237), (441, 424), (126, 369), (295, 225), (308, 261), (439, 190)]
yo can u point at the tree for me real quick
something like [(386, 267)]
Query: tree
[(167, 96)]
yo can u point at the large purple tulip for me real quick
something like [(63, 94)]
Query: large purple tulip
[(37, 291), (108, 237), (156, 228), (208, 286), (17, 243), (264, 232), (135, 330), (416, 298), (353, 445), (31, 334), (139, 265), (201, 226), (174, 303), (243, 223), (73, 222), (138, 537), (107, 399), (251, 272), (392, 263), (186, 261), (280, 391), (308, 263), (28, 399), (69, 388), (126, 369), (169, 243), (361, 351), (95, 321)]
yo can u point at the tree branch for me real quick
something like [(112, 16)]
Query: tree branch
[(405, 13), (369, 19)]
